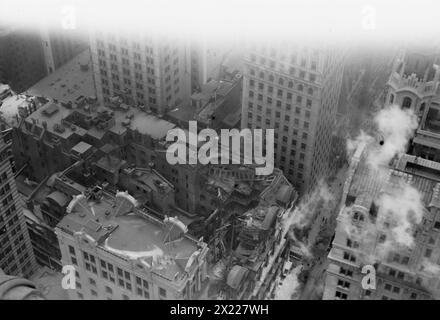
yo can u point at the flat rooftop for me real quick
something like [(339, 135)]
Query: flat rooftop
[(183, 113), (120, 228), (133, 118), (70, 81), (151, 178)]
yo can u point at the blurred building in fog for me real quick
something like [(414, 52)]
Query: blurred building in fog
[(22, 58), (144, 69), (26, 56), (60, 46)]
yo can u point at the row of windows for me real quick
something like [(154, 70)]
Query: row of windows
[(108, 273), (299, 99), (280, 93), (394, 289), (288, 107), (292, 70)]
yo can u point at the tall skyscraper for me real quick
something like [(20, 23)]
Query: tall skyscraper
[(145, 69), (295, 91), (16, 255)]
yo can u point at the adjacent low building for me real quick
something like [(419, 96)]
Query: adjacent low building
[(121, 252)]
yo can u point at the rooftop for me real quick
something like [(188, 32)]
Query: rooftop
[(81, 147), (84, 116), (417, 172), (150, 178), (70, 81), (117, 226)]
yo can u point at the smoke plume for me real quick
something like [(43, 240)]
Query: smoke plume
[(400, 205), (290, 285)]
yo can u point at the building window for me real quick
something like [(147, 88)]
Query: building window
[(341, 295), (406, 103), (350, 257), (428, 253), (343, 284), (162, 292)]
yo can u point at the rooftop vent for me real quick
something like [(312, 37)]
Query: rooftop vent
[(59, 128), (51, 110)]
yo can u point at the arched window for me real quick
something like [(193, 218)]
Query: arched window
[(290, 84), (310, 91), (262, 75), (300, 87), (281, 82), (271, 78), (406, 103), (391, 98)]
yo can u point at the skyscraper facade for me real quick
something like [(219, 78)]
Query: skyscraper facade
[(148, 70), (295, 91), (16, 255)]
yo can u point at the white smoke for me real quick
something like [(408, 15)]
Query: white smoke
[(430, 268), (397, 126), (353, 144), (401, 206), (305, 214), (290, 285), (305, 211)]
